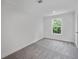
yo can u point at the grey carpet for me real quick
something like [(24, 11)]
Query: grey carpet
[(46, 49)]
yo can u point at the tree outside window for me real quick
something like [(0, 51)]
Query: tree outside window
[(56, 24)]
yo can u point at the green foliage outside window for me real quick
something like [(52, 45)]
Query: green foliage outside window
[(56, 25)]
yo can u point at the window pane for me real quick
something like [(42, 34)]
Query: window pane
[(56, 25)]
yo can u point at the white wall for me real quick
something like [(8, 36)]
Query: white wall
[(19, 28), (67, 29), (22, 21)]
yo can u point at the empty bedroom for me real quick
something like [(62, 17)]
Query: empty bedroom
[(39, 29)]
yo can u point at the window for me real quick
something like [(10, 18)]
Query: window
[(56, 25)]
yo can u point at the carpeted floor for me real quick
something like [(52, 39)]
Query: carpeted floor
[(46, 49)]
